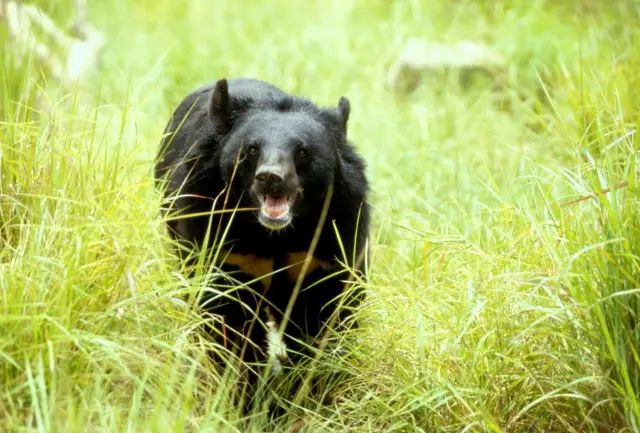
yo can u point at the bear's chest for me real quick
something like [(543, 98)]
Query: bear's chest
[(284, 269)]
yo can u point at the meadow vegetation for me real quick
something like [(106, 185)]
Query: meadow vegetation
[(504, 277)]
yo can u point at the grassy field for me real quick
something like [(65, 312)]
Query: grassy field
[(504, 287)]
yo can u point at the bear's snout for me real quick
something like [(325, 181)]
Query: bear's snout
[(275, 186), (270, 177), (275, 180)]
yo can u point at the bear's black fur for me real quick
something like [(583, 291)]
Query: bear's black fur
[(246, 145)]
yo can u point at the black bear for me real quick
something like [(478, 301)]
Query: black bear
[(267, 184)]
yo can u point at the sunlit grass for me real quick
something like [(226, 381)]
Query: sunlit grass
[(504, 265)]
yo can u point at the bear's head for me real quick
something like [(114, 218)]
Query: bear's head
[(279, 153)]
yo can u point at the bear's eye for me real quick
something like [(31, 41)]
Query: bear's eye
[(252, 149), (302, 153)]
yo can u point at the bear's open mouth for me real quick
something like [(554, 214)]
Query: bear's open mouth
[(275, 210)]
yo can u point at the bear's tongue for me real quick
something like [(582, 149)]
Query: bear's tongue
[(275, 207)]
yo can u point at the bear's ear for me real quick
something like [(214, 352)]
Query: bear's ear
[(344, 108), (220, 107)]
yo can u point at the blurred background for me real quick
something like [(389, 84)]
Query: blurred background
[(500, 141)]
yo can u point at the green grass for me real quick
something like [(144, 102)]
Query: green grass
[(504, 286)]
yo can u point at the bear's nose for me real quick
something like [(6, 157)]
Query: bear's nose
[(269, 176)]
